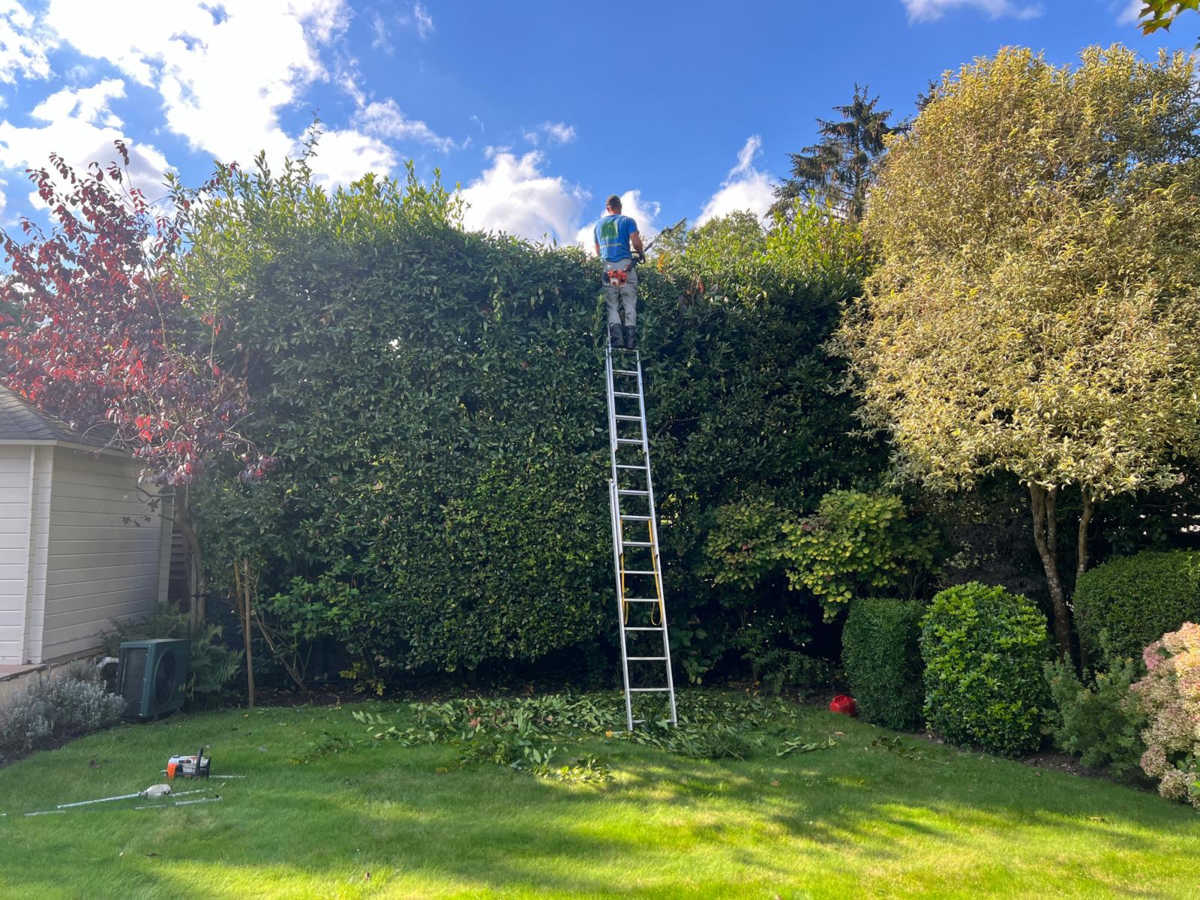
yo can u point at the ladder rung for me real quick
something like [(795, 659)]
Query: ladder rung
[(622, 466), (632, 491), (624, 371), (637, 441), (642, 627), (641, 600), (629, 418), (646, 690), (625, 394), (638, 572), (645, 659), (636, 518), (636, 544)]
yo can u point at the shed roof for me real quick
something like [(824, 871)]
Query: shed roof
[(20, 421)]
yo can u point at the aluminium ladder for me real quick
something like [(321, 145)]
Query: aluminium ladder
[(641, 609)]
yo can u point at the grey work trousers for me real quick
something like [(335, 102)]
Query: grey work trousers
[(625, 295)]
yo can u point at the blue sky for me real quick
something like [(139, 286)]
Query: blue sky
[(538, 111)]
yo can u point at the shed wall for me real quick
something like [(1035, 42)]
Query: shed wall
[(103, 560), (14, 550), (39, 543)]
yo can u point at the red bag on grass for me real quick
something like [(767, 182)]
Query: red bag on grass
[(844, 705)]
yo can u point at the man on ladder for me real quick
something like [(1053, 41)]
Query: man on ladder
[(641, 607), (615, 235)]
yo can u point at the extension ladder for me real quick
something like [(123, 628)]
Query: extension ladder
[(641, 609)]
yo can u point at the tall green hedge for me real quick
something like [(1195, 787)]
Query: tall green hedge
[(436, 402), (882, 656), (1131, 601)]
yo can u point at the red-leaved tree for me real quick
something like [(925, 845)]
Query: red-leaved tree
[(97, 333), (95, 330)]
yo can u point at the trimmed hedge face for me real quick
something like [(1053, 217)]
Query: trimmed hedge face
[(882, 656), (436, 402), (984, 651), (1134, 600)]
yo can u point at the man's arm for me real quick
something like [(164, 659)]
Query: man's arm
[(635, 240)]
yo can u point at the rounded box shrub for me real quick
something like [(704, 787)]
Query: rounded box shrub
[(984, 649), (1130, 601), (881, 654)]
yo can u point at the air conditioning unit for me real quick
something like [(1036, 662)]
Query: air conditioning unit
[(151, 677)]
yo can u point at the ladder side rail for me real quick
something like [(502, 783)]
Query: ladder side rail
[(614, 500), (654, 549), (616, 529), (613, 449), (612, 411)]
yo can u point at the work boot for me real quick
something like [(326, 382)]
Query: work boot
[(630, 337), (614, 336)]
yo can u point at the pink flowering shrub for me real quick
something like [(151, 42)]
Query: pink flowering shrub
[(1170, 697)]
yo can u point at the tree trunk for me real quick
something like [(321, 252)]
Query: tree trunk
[(196, 592), (241, 587), (1085, 517), (1081, 558), (1045, 536)]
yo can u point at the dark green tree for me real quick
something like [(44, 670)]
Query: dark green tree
[(839, 168)]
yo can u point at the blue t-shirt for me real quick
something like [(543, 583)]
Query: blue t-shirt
[(612, 234)]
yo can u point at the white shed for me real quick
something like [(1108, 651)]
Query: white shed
[(81, 545)]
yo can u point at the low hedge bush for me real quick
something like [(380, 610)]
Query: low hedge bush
[(1130, 601), (54, 709), (882, 656), (984, 649), (1098, 719)]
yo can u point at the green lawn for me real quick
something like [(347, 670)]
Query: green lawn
[(867, 817)]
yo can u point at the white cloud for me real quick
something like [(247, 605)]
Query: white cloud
[(1131, 12), (559, 132), (348, 80), (423, 20), (931, 10), (745, 188), (89, 105), (380, 40), (419, 18), (386, 120), (554, 133), (23, 45), (224, 69), (514, 196), (644, 212), (345, 156), (81, 128)]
